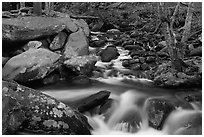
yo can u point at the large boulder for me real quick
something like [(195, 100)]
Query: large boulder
[(158, 109), (28, 28), (82, 65), (77, 45), (33, 64), (26, 109), (82, 24)]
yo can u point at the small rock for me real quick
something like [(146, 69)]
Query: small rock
[(32, 45), (150, 59), (59, 41), (144, 66), (133, 61), (126, 63), (142, 59), (109, 53), (98, 43), (129, 42), (134, 34), (135, 67)]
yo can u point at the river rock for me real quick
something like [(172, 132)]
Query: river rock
[(77, 45), (109, 53), (83, 65), (32, 44), (158, 109), (28, 28), (30, 65), (27, 109), (82, 24), (59, 41)]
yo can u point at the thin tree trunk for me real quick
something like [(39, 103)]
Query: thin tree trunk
[(188, 21), (37, 8), (22, 5)]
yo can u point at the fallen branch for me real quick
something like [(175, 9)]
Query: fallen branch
[(83, 17)]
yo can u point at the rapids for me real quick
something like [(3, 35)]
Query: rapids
[(131, 94)]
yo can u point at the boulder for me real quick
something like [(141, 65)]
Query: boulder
[(77, 45), (59, 41), (158, 109), (82, 24), (29, 28), (82, 65), (25, 109), (30, 65), (33, 44), (109, 53)]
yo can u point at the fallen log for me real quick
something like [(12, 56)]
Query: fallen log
[(92, 101), (83, 17), (25, 109)]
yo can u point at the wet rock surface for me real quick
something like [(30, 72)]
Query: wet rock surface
[(28, 109), (31, 65)]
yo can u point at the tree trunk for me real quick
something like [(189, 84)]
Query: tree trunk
[(187, 26), (37, 8), (22, 5)]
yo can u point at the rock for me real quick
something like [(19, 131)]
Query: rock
[(144, 66), (59, 41), (107, 104), (82, 24), (29, 28), (98, 43), (129, 42), (32, 45), (77, 45), (150, 59), (196, 52), (135, 34), (134, 60), (50, 79), (142, 59), (135, 67), (118, 42), (33, 64), (82, 65), (158, 109), (29, 110), (126, 63), (109, 53), (133, 47), (113, 33), (92, 101)]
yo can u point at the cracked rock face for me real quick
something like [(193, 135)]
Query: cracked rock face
[(30, 65), (31, 110)]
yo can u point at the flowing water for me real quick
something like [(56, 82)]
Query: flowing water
[(131, 95)]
